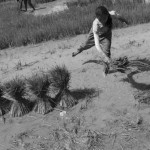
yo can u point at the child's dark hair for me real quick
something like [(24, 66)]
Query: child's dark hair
[(101, 10)]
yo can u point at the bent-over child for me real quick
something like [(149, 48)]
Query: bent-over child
[(100, 34)]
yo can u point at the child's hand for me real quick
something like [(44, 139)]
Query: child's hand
[(107, 59), (114, 13)]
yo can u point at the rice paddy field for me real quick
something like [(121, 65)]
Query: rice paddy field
[(18, 28)]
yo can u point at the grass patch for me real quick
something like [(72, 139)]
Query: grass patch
[(18, 29)]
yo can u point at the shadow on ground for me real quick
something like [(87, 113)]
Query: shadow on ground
[(140, 68), (80, 94)]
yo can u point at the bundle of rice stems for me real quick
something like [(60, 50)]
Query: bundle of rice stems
[(122, 64), (60, 78), (140, 64), (5, 104), (16, 90), (39, 86)]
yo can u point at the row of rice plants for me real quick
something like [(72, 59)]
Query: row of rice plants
[(38, 1), (18, 29), (44, 1), (80, 3), (38, 86)]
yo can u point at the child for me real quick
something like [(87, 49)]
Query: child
[(100, 35)]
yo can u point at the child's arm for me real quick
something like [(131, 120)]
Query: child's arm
[(119, 17), (96, 40), (98, 47)]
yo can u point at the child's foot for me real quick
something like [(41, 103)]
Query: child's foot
[(75, 53)]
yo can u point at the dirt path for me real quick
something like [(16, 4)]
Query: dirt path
[(115, 95), (51, 7)]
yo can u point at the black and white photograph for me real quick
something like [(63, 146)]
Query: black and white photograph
[(74, 74)]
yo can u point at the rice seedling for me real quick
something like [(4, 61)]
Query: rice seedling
[(1, 91), (140, 64), (80, 3), (3, 108), (44, 1), (5, 104), (27, 29), (67, 100), (16, 90), (39, 86), (60, 78), (123, 64)]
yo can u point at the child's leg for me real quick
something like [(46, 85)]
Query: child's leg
[(88, 44)]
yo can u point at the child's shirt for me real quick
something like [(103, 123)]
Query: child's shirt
[(99, 36), (101, 30), (102, 35)]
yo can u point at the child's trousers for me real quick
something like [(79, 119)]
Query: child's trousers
[(105, 43)]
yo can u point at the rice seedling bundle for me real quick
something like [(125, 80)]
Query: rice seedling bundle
[(16, 90), (4, 103), (60, 78), (39, 86), (122, 64), (5, 106)]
